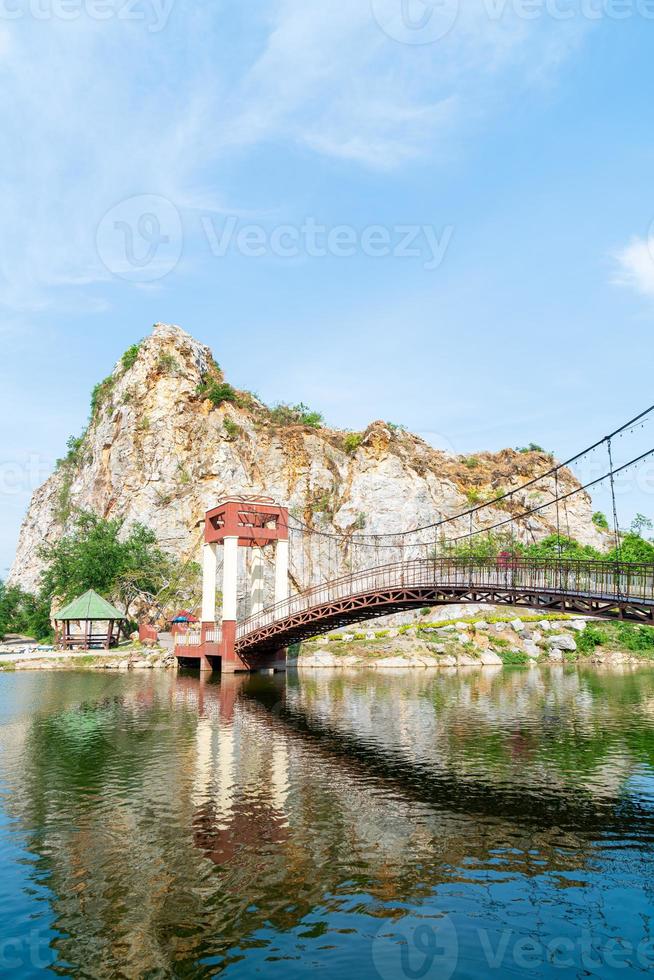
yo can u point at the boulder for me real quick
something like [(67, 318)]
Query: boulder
[(446, 661), (321, 658), (518, 625), (489, 659), (562, 641), (545, 625), (556, 656), (467, 660), (481, 625), (578, 625), (531, 649), (393, 662)]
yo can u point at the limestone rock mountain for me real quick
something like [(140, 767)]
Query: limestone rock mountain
[(169, 437)]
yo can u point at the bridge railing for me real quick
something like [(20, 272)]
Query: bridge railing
[(197, 638), (599, 579)]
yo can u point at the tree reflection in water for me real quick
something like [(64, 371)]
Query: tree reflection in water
[(185, 825)]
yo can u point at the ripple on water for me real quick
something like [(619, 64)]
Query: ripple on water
[(173, 826)]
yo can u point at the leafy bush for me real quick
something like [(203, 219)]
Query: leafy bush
[(321, 502), (533, 447), (396, 428), (474, 496), (301, 414), (636, 638), (128, 360), (471, 462), (101, 393), (352, 442), (167, 363), (513, 658), (590, 638), (74, 446), (231, 428), (600, 520), (217, 392)]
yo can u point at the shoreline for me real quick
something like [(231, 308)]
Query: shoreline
[(498, 641)]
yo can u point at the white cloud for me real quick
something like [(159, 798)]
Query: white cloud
[(635, 266), (94, 112), (331, 78)]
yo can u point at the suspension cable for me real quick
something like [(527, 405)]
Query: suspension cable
[(553, 471)]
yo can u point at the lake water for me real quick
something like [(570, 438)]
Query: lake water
[(368, 825)]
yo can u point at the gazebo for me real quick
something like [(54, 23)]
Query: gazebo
[(88, 623)]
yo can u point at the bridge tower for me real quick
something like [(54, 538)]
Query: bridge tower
[(255, 523)]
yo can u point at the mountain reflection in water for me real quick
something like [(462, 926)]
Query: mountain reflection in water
[(156, 825)]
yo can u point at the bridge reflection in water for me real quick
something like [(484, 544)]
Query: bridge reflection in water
[(183, 826)]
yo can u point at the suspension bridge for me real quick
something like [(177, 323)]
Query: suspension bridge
[(284, 581)]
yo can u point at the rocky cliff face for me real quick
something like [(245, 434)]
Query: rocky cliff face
[(158, 451)]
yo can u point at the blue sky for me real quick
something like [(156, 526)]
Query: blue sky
[(163, 160)]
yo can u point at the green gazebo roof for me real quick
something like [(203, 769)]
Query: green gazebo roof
[(89, 606)]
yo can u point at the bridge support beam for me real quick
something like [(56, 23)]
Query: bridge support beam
[(209, 568), (257, 595), (230, 578), (281, 570), (238, 522)]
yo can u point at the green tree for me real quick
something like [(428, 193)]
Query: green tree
[(22, 612), (639, 524), (99, 555), (569, 548), (633, 548)]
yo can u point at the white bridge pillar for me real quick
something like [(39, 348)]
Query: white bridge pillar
[(209, 568), (230, 578), (257, 594), (281, 571)]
